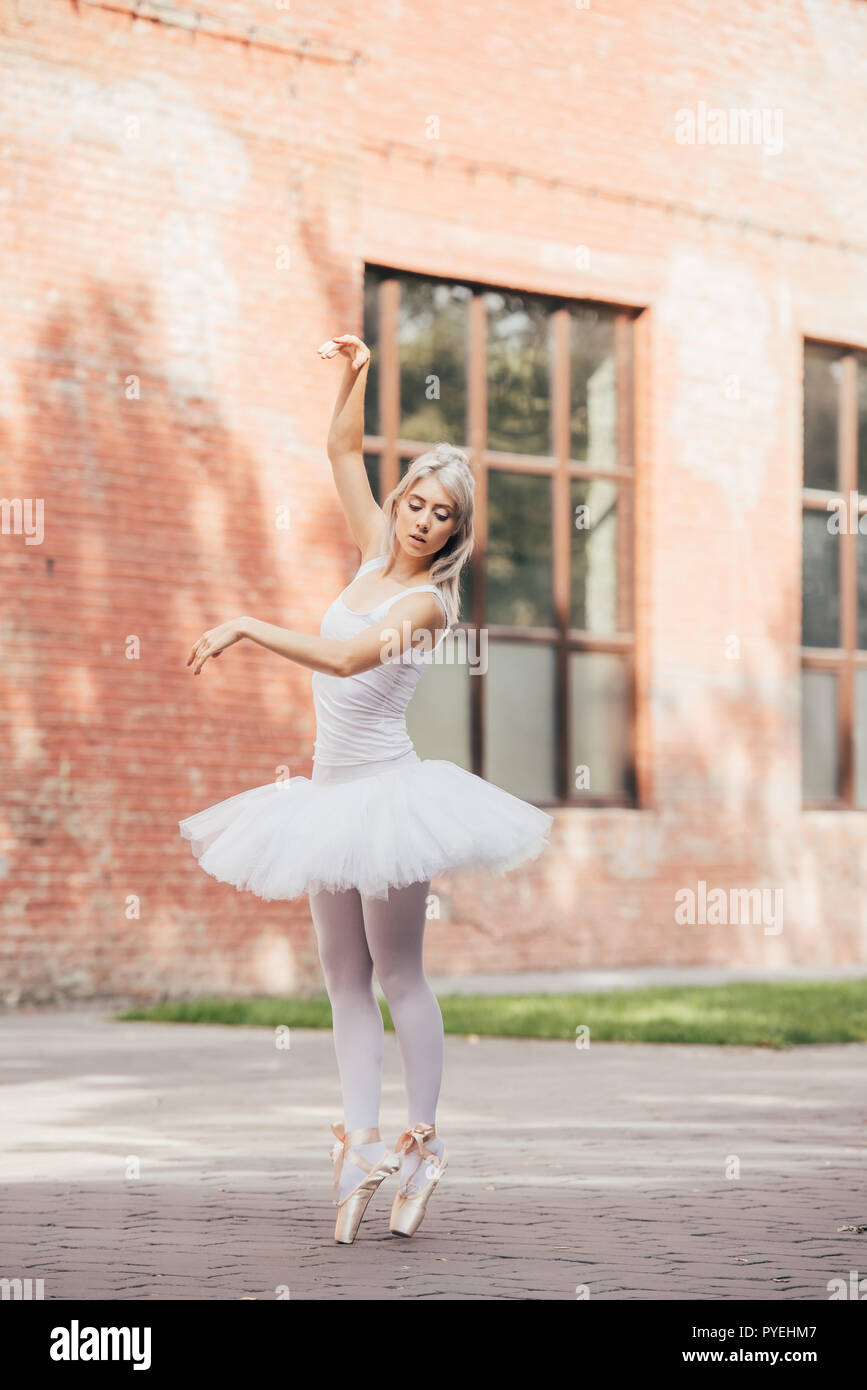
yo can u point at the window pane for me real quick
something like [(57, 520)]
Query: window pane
[(594, 555), (433, 360), (371, 337), (822, 375), (599, 716), (432, 331), (861, 542), (861, 739), (467, 588), (438, 716), (519, 393), (371, 464), (520, 750), (520, 580), (862, 424), (593, 388), (819, 734), (821, 579)]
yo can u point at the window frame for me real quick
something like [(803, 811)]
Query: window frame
[(845, 659), (391, 449)]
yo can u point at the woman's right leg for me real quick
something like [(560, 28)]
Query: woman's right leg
[(395, 933), (358, 1030)]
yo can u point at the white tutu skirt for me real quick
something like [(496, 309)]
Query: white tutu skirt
[(377, 830)]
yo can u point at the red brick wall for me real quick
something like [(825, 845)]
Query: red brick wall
[(152, 171)]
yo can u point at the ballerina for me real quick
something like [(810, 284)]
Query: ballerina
[(366, 833)]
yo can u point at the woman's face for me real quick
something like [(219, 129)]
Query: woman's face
[(426, 517)]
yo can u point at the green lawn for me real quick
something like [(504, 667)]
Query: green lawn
[(752, 1014)]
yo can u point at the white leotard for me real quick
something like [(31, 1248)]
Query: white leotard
[(362, 718)]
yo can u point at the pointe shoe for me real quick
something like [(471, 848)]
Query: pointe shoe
[(407, 1212), (354, 1204)]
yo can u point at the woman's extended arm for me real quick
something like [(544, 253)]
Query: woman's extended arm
[(364, 517), (412, 622), (320, 653)]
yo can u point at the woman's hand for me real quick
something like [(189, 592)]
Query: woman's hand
[(350, 347), (216, 640)]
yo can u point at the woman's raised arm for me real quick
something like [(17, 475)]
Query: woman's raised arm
[(366, 520)]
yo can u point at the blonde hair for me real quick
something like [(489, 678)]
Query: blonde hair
[(451, 468)]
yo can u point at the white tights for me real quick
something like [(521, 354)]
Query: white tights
[(357, 935)]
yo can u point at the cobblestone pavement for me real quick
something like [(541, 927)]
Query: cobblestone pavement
[(604, 1168)]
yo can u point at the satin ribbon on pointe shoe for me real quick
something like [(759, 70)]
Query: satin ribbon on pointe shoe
[(416, 1138), (407, 1212), (343, 1150)]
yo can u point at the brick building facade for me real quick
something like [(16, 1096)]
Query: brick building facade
[(193, 202)]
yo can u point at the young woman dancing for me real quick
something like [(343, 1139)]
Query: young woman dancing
[(375, 822)]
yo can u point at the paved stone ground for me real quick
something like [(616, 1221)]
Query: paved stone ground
[(603, 1167)]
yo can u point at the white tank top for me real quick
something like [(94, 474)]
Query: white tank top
[(362, 718)]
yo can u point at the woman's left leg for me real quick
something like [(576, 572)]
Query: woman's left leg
[(395, 938), (356, 1020)]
